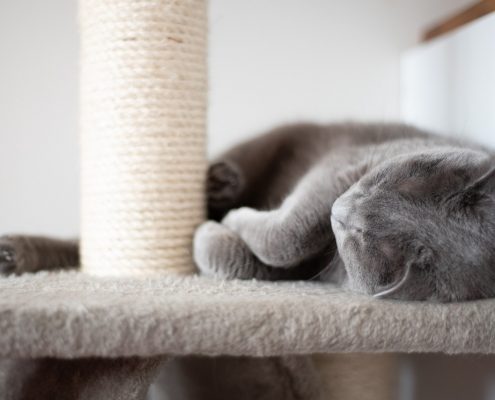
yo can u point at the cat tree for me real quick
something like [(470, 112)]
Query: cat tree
[(143, 98)]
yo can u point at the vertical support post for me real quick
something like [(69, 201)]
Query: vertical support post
[(143, 122)]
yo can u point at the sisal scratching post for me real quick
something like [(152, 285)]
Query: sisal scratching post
[(143, 99)]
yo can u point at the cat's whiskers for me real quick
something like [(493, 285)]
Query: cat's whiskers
[(329, 266), (396, 286)]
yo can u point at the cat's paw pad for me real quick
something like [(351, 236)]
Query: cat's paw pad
[(8, 264), (224, 184)]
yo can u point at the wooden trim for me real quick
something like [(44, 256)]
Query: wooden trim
[(467, 15)]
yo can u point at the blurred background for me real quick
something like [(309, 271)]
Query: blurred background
[(271, 62)]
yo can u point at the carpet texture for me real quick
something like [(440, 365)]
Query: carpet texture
[(69, 315)]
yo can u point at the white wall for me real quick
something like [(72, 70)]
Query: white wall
[(448, 85), (284, 60), (38, 118), (271, 61)]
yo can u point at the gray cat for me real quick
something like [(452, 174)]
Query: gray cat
[(385, 210)]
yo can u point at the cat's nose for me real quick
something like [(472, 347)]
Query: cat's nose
[(340, 210), (343, 215)]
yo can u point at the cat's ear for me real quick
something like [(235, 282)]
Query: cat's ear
[(481, 187), (484, 184)]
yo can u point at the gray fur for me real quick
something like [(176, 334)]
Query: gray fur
[(393, 199), (385, 210)]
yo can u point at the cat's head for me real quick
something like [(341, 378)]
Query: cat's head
[(421, 227)]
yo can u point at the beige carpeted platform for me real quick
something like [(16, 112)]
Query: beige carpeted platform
[(74, 315)]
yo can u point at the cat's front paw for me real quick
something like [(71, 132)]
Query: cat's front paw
[(236, 218), (207, 249), (219, 252), (8, 262), (244, 218)]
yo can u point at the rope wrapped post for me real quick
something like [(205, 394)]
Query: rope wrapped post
[(143, 122)]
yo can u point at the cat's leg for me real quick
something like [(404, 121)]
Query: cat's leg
[(297, 230), (220, 252), (234, 177), (281, 239), (20, 254)]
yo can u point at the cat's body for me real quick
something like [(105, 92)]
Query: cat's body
[(273, 163), (381, 209)]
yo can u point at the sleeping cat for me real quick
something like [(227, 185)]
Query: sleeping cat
[(385, 210)]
